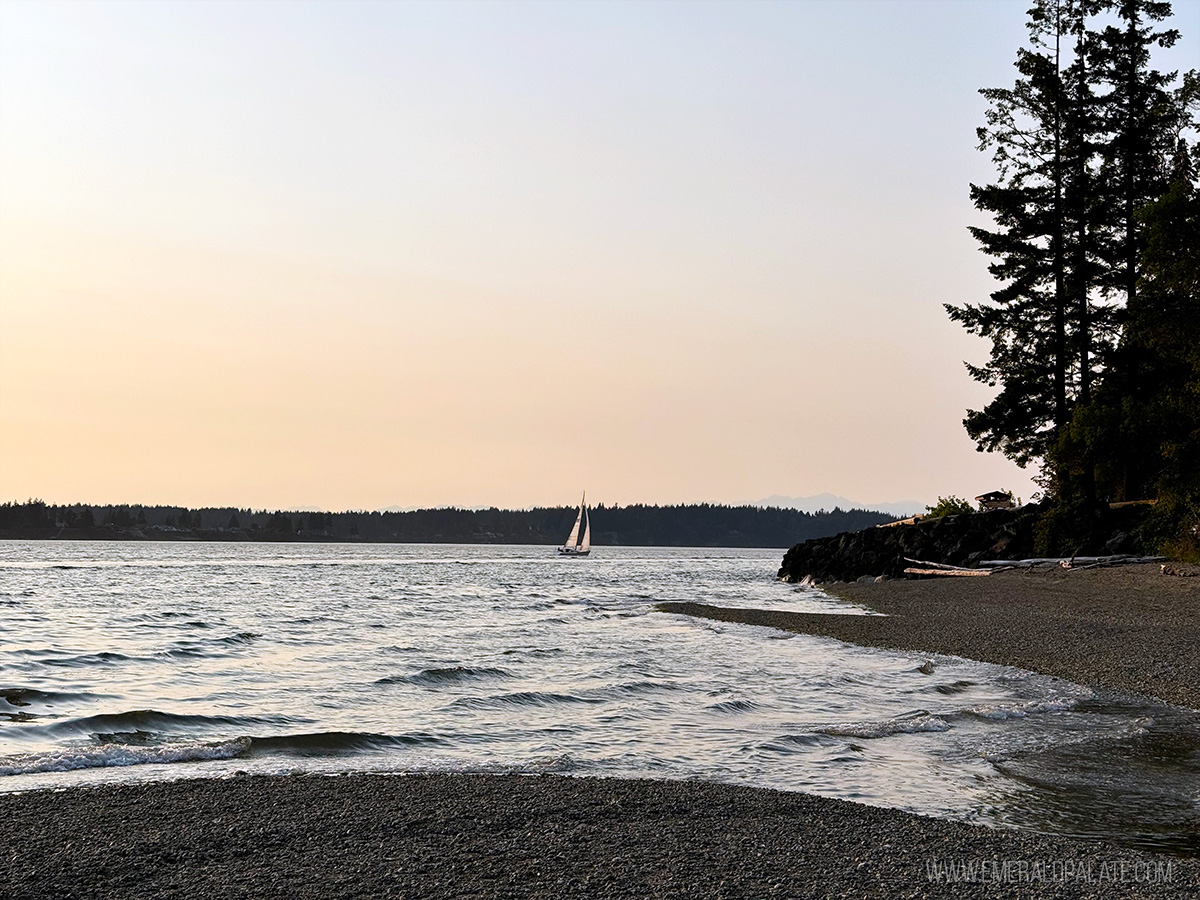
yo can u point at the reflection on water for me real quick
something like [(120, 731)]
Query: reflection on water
[(129, 661), (1145, 785)]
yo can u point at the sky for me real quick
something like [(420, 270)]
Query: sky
[(356, 255)]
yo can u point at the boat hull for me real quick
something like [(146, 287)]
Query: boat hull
[(571, 551)]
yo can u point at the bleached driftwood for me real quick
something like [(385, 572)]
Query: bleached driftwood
[(1039, 561), (937, 565), (1071, 562), (947, 572), (1127, 561)]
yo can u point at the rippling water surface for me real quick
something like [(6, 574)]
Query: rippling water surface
[(124, 661)]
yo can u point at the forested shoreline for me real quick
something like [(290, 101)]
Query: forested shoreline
[(692, 525)]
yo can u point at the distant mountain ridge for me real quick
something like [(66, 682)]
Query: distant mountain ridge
[(818, 502)]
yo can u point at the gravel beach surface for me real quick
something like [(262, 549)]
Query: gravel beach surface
[(1128, 628), (445, 836)]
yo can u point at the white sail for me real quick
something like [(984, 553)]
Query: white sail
[(573, 546), (574, 538)]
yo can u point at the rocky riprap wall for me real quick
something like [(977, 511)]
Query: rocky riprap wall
[(961, 540)]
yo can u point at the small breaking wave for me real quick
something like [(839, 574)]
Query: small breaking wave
[(523, 698), (110, 754), (446, 675), (242, 637), (153, 720), (138, 747), (733, 706), (913, 723), (1019, 711), (337, 743)]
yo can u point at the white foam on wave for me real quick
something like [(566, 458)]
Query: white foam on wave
[(1020, 710), (913, 724), (108, 755)]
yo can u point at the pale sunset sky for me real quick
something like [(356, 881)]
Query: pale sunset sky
[(356, 255)]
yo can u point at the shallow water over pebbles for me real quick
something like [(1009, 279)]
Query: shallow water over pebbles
[(124, 661)]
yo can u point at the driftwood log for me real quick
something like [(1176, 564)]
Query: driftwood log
[(946, 572)]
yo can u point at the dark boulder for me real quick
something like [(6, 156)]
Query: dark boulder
[(962, 540)]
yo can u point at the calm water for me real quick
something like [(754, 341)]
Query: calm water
[(126, 661)]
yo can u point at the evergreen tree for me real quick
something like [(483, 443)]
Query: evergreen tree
[(1040, 135), (1166, 334), (1142, 121), (1144, 161), (1143, 429)]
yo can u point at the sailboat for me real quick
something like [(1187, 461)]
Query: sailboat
[(574, 546)]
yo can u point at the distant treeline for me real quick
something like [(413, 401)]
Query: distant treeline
[(697, 525)]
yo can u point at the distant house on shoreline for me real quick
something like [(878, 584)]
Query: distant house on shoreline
[(996, 500)]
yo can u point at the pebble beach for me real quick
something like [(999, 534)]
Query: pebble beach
[(465, 836)]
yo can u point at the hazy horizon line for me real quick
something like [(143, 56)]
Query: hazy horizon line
[(842, 503)]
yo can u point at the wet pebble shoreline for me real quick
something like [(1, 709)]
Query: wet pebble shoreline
[(1128, 629), (442, 836)]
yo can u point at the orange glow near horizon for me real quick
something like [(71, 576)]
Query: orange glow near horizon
[(365, 255)]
